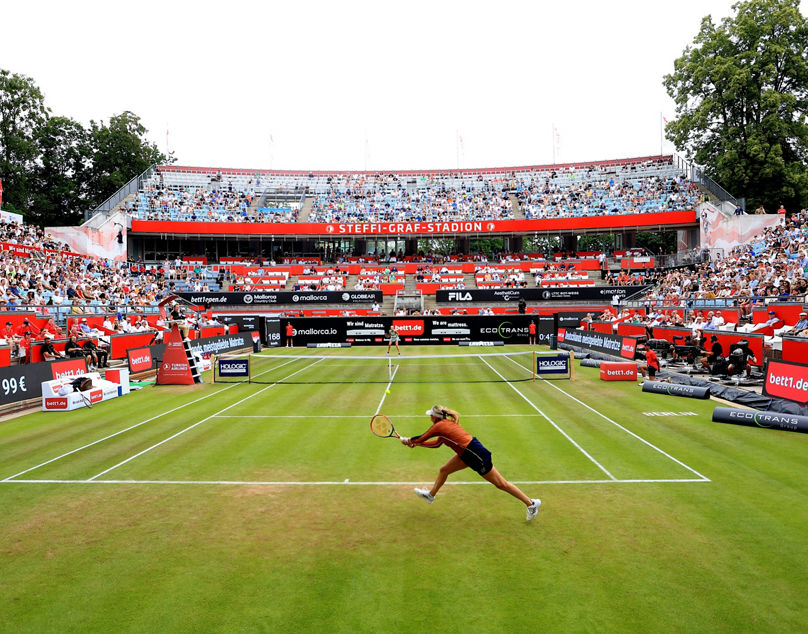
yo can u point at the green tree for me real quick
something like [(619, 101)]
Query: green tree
[(657, 242), (741, 93), (61, 174), (595, 242), (22, 113), (120, 152)]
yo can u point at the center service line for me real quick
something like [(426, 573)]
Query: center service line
[(182, 431), (616, 424), (384, 396), (549, 420)]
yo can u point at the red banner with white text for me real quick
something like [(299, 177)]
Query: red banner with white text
[(628, 221)]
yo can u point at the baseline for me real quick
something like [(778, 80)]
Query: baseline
[(349, 482)]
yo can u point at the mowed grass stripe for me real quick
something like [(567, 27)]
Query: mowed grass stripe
[(601, 415), (79, 462), (82, 423)]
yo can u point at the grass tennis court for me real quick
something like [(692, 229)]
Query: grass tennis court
[(271, 507)]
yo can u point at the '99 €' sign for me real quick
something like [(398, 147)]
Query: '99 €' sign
[(13, 385)]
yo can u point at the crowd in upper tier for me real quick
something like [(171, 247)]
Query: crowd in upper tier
[(567, 191)]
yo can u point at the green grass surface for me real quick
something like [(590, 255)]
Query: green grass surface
[(222, 508)]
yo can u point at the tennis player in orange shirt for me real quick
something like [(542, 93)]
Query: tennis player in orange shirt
[(469, 452)]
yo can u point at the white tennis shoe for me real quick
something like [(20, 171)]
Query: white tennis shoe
[(425, 494), (533, 509)]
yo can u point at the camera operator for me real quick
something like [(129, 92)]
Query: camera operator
[(741, 359), (716, 350)]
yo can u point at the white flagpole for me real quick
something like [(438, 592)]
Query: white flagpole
[(553, 141)]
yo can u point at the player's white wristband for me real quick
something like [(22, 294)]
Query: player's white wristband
[(404, 439)]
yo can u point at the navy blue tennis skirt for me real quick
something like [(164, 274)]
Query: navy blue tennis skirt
[(477, 457)]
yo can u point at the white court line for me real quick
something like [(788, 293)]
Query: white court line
[(616, 424), (343, 483), (148, 420), (182, 431), (549, 420), (384, 396)]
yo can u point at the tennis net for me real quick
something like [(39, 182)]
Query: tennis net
[(335, 368)]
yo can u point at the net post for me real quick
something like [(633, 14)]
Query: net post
[(533, 368), (213, 368), (572, 365), (249, 368)]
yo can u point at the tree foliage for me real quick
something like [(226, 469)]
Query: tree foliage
[(22, 113), (741, 93), (53, 168)]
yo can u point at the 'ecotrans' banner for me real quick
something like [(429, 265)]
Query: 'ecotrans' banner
[(765, 420), (616, 345)]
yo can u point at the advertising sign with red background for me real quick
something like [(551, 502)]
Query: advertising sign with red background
[(140, 359), (174, 368), (787, 380), (74, 367), (627, 347), (669, 218), (412, 327)]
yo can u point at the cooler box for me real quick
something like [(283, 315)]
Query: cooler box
[(618, 371)]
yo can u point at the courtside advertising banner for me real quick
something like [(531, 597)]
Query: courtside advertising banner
[(787, 380), (71, 368), (552, 365), (282, 297), (589, 293), (233, 367), (423, 329), (616, 345), (765, 420), (22, 382), (140, 359)]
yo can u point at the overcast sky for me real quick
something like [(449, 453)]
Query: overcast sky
[(350, 85)]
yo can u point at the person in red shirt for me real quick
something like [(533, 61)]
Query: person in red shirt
[(25, 345), (651, 365), (531, 331), (782, 210), (469, 452), (290, 333), (27, 326), (8, 332)]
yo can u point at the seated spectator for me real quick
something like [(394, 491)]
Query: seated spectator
[(49, 353)]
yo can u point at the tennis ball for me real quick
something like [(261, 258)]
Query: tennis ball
[(387, 391)]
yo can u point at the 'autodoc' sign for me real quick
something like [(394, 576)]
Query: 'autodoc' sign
[(588, 293), (283, 297)]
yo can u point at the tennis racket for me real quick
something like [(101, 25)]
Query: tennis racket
[(383, 426)]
